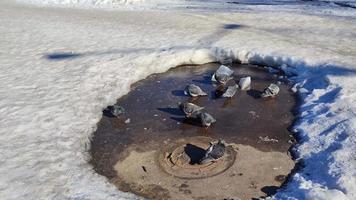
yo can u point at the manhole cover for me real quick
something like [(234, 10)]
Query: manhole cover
[(181, 159)]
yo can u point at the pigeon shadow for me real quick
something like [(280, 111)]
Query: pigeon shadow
[(60, 56), (231, 26), (218, 92), (172, 111), (195, 153), (254, 93), (228, 102), (191, 121), (178, 93)]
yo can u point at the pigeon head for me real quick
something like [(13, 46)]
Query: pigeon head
[(221, 141)]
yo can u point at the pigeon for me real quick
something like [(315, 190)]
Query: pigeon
[(245, 83), (214, 152), (271, 91), (206, 119), (231, 91), (194, 91), (190, 109), (222, 75), (116, 110)]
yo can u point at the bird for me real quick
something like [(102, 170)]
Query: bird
[(271, 91), (194, 91), (116, 110), (190, 109), (245, 83), (214, 152), (222, 75), (230, 91), (206, 119)]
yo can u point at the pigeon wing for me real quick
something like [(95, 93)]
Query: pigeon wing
[(218, 151)]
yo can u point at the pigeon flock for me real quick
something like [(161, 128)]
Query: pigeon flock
[(220, 78)]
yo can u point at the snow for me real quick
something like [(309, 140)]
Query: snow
[(61, 67), (327, 7)]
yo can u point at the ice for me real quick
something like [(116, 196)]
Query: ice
[(61, 67), (245, 83), (271, 91), (222, 75)]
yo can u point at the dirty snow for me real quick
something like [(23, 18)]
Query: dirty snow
[(61, 67)]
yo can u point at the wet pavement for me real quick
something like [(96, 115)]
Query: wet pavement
[(127, 149)]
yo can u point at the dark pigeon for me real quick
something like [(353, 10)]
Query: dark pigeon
[(194, 91), (214, 152), (190, 109)]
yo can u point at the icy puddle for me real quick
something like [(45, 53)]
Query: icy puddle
[(153, 151)]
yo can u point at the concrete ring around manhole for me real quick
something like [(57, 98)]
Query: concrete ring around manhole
[(181, 158)]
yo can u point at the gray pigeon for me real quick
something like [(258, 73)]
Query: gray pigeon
[(231, 91), (116, 110), (194, 91), (222, 75), (214, 152), (206, 119), (190, 109), (271, 91)]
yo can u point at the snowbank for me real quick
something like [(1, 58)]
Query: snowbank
[(60, 68), (330, 7)]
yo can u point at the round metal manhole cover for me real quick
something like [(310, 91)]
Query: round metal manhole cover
[(181, 158)]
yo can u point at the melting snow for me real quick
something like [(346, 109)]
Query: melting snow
[(61, 67)]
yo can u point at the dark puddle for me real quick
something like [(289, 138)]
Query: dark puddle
[(155, 118)]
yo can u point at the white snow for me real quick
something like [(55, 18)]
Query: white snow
[(327, 7), (61, 67)]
